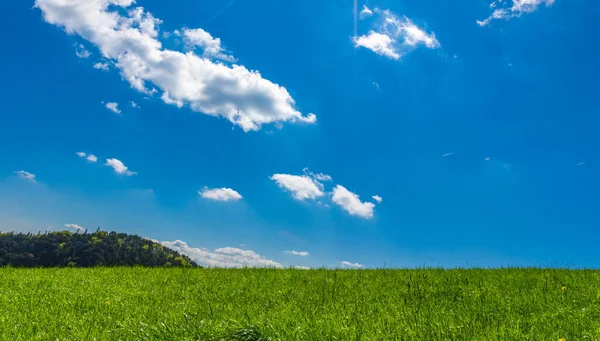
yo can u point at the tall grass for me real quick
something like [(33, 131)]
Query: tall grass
[(269, 304)]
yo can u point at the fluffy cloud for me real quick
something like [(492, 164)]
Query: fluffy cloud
[(133, 104), (298, 253), (25, 175), (101, 66), (227, 257), (351, 265), (114, 107), (382, 44), (351, 202), (211, 46), (75, 227), (301, 186), (90, 158), (301, 267), (220, 194), (392, 36), (128, 36), (119, 167), (377, 198), (517, 9)]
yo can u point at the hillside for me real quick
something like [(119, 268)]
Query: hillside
[(67, 249)]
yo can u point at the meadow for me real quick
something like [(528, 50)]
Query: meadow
[(270, 304)]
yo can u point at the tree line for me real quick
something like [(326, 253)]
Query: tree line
[(100, 248)]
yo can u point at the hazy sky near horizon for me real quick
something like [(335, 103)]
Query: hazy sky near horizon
[(310, 133)]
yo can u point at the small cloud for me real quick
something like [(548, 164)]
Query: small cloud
[(377, 198), (579, 164), (82, 52), (448, 154), (301, 267), (518, 8), (119, 167), (114, 107), (90, 158), (317, 176), (220, 194), (301, 186), (375, 84), (487, 159), (133, 104), (297, 253), (379, 43), (394, 35), (365, 12), (351, 265), (75, 227), (101, 66), (25, 175), (351, 203)]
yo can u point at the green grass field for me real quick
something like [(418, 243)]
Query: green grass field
[(268, 304)]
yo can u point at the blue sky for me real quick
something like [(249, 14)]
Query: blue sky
[(258, 132)]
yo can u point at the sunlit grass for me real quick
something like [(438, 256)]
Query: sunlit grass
[(269, 304)]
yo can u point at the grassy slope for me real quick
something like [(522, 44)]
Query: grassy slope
[(214, 304)]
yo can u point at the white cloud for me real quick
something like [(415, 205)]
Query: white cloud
[(101, 66), (301, 186), (516, 10), (351, 265), (351, 202), (133, 104), (75, 227), (114, 107), (119, 167), (392, 36), (128, 36), (25, 175), (365, 12), (227, 257), (297, 253), (382, 44), (211, 46), (317, 176), (377, 198), (220, 194), (301, 267), (81, 52), (448, 154), (91, 157)]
